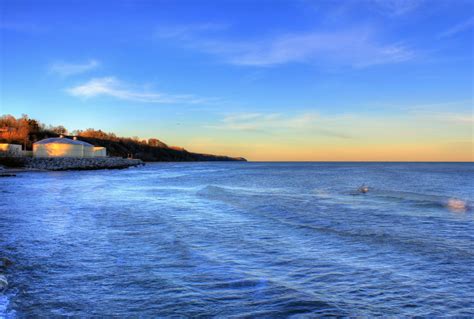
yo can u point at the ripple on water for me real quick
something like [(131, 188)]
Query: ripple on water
[(253, 240)]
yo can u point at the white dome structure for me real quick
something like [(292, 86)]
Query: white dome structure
[(58, 147)]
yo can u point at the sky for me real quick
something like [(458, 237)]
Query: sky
[(299, 80)]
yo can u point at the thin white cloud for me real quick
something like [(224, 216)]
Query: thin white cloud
[(276, 122), (458, 28), (67, 69), (459, 118), (188, 30), (397, 7), (340, 126), (340, 48), (357, 48), (110, 86)]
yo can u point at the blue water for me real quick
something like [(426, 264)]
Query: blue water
[(240, 239)]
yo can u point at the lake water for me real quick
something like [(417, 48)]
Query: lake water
[(240, 239)]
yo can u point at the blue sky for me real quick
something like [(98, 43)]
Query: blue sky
[(269, 80)]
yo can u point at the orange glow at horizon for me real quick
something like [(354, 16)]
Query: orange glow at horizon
[(346, 138), (449, 152)]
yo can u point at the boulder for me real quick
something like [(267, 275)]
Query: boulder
[(5, 262)]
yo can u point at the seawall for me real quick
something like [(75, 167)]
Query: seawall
[(72, 163)]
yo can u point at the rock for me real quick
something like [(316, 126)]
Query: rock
[(65, 163), (363, 189), (5, 262)]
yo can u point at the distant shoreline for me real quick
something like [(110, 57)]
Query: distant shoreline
[(55, 165)]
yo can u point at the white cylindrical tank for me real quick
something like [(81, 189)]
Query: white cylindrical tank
[(87, 149), (10, 149), (99, 151), (58, 147)]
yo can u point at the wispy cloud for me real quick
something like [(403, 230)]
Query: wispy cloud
[(356, 47), (112, 87), (459, 118), (458, 28), (276, 122), (67, 69), (187, 31), (397, 7)]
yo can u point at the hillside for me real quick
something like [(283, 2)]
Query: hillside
[(150, 153), (26, 131)]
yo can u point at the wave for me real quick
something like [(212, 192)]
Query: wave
[(320, 221), (245, 190), (5, 312), (453, 204), (224, 192), (427, 200)]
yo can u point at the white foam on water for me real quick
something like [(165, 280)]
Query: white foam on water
[(4, 313)]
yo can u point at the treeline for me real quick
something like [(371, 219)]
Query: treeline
[(26, 131), (98, 134)]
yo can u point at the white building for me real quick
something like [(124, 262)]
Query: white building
[(87, 149), (100, 151), (65, 147), (10, 149)]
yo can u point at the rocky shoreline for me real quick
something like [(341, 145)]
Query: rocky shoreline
[(71, 163)]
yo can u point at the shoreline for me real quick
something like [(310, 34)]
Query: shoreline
[(38, 164), (6, 171), (11, 172)]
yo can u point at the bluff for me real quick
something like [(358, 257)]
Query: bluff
[(149, 153)]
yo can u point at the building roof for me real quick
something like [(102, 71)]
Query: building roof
[(62, 140), (84, 143), (10, 144)]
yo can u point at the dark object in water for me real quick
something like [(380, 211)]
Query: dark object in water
[(7, 175), (5, 262), (363, 189)]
